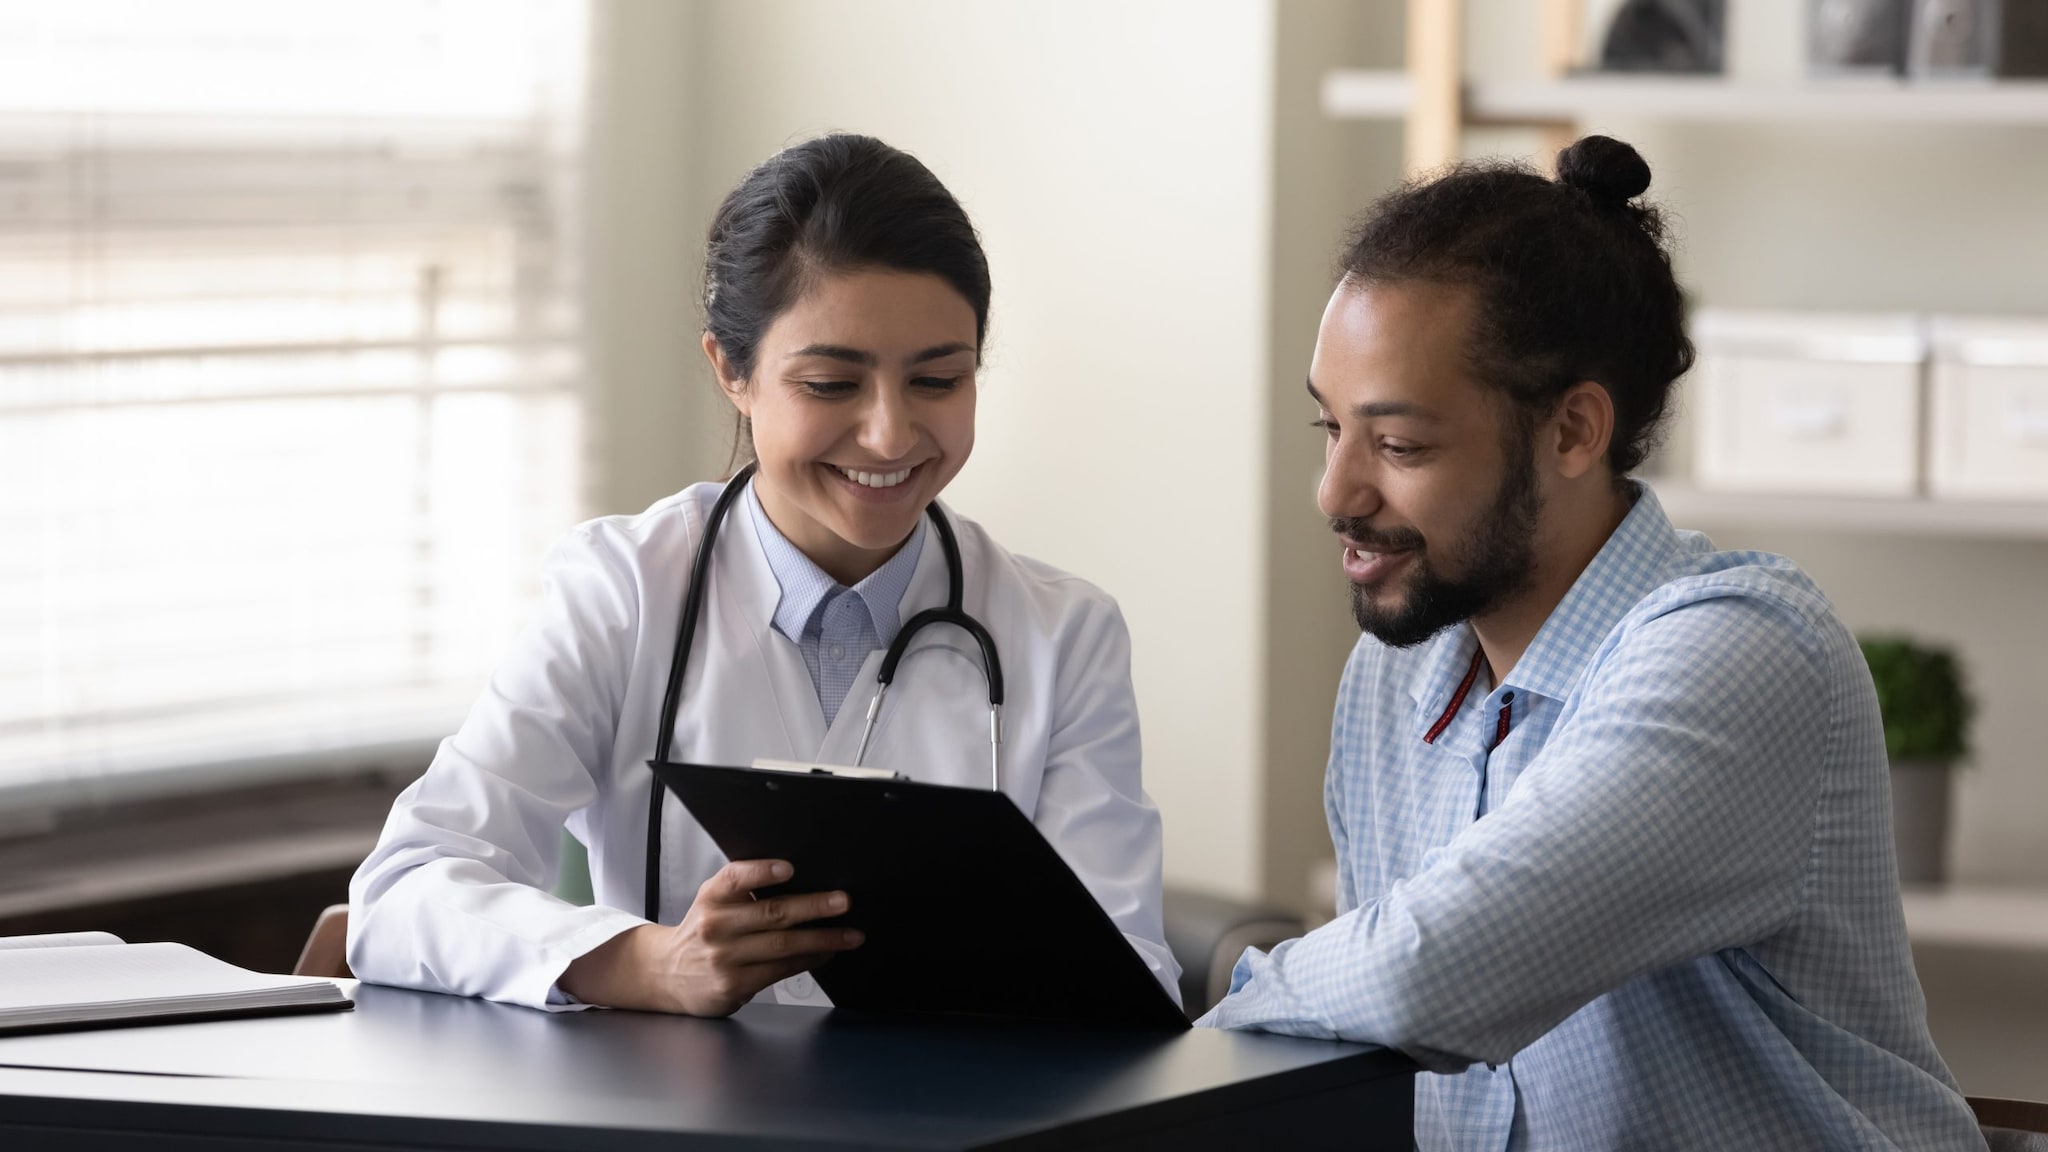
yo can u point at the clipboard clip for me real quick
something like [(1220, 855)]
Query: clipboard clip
[(805, 767)]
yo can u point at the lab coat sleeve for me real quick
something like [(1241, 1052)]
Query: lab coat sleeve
[(1092, 805), (454, 897)]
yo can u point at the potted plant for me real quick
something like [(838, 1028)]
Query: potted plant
[(1926, 731)]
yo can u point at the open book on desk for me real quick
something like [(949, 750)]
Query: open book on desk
[(93, 980)]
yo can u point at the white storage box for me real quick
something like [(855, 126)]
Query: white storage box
[(1989, 405), (1820, 402)]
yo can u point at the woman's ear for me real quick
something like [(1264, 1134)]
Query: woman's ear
[(1585, 426), (735, 389)]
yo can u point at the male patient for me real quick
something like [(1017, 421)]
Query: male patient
[(1613, 832)]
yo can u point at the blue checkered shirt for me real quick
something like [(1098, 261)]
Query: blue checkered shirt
[(1639, 894), (835, 627)]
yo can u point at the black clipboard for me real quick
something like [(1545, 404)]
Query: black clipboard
[(967, 910)]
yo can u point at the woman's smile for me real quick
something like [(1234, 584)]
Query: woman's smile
[(876, 486)]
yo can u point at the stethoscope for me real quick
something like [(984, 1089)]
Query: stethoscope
[(686, 633)]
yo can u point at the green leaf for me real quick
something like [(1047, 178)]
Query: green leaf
[(1920, 692)]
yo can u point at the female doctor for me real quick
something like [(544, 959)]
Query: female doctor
[(846, 301)]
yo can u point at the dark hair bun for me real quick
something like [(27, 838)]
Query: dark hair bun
[(1609, 171)]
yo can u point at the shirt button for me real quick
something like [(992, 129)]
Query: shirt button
[(801, 985), (838, 653)]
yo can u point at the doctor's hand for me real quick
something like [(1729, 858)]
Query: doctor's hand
[(729, 947)]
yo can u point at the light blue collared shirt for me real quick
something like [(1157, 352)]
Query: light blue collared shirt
[(1642, 893), (835, 627)]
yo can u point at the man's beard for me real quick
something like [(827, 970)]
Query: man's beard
[(1498, 559)]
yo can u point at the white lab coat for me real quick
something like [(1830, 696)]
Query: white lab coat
[(454, 898)]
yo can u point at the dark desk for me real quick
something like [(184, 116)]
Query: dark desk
[(415, 1070)]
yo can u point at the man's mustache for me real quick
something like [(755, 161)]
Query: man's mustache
[(1361, 532)]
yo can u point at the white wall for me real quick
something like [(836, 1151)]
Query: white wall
[(657, 423), (1115, 155)]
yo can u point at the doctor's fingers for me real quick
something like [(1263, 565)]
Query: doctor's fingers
[(784, 911), (737, 880), (777, 948)]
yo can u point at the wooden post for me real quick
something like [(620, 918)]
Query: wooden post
[(1435, 67), (1562, 29)]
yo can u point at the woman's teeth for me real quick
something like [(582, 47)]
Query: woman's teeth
[(876, 479)]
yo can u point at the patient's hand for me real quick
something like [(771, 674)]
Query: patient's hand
[(729, 947)]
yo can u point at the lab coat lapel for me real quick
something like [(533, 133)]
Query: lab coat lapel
[(751, 593)]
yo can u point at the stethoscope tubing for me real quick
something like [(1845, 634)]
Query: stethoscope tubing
[(686, 631)]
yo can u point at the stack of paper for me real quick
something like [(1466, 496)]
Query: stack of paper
[(82, 979)]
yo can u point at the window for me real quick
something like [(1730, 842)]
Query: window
[(290, 375)]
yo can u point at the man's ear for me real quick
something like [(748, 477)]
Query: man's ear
[(1584, 426), (735, 389)]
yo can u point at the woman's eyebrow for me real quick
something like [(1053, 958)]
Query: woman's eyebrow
[(940, 351), (865, 359), (836, 352)]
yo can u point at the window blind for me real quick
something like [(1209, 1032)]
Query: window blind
[(290, 375)]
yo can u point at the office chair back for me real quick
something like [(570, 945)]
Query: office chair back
[(2012, 1125), (326, 950), (1207, 933)]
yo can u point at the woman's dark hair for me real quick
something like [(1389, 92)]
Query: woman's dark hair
[(834, 203), (1571, 279)]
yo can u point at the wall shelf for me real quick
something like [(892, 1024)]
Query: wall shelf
[(1690, 507), (1372, 95), (2009, 918), (1367, 94)]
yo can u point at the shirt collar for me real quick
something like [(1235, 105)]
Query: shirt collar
[(804, 586), (1636, 559), (1444, 666), (1634, 562)]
